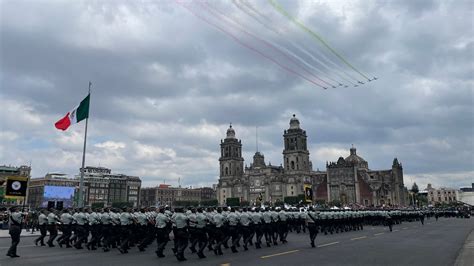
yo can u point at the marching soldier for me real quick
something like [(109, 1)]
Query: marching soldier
[(53, 220), (142, 229), (218, 221), (267, 226), (233, 229), (192, 230), (81, 230), (94, 223), (257, 221), (201, 222), (106, 224), (180, 224), (42, 222), (66, 224), (246, 231), (283, 225), (126, 222), (312, 224), (15, 221), (161, 223)]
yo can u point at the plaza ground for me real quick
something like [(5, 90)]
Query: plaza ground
[(435, 243)]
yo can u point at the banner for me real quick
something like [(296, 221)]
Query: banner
[(16, 187), (308, 193)]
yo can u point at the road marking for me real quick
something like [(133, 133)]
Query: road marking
[(328, 244), (362, 237), (225, 264), (429, 223), (25, 246), (378, 234), (396, 230), (405, 228), (278, 254)]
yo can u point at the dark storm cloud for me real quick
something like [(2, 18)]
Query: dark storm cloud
[(166, 85)]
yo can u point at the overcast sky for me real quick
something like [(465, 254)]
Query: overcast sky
[(166, 85)]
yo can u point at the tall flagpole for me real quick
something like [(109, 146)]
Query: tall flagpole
[(81, 181)]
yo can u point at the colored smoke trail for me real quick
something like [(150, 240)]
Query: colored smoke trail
[(280, 9), (302, 49), (269, 45), (289, 70)]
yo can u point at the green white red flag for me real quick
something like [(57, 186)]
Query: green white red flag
[(76, 115)]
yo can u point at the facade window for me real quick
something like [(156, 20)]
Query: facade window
[(292, 165)]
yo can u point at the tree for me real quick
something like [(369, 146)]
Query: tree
[(97, 205), (209, 203), (121, 205), (244, 203), (185, 203), (294, 200), (232, 202), (415, 190)]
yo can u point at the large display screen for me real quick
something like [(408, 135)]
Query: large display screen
[(58, 194)]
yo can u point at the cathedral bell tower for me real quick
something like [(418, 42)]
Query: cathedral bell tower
[(295, 154), (231, 167)]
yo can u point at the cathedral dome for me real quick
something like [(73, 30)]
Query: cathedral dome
[(230, 132), (356, 159), (294, 122)]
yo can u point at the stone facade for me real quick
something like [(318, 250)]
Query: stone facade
[(103, 186), (441, 195), (167, 195), (347, 181)]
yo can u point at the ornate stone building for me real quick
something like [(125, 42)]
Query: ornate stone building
[(348, 180)]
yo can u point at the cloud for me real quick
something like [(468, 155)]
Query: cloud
[(166, 85)]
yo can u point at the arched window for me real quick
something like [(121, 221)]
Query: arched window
[(227, 170), (293, 165)]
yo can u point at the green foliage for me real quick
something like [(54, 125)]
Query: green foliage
[(209, 203), (97, 205), (294, 200), (244, 203), (232, 202), (185, 203), (122, 204), (279, 203)]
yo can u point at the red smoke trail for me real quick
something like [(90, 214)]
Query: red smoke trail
[(271, 46), (289, 70)]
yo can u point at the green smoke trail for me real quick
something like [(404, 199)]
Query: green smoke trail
[(280, 9)]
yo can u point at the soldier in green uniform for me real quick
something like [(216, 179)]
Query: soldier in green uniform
[(201, 223), (161, 224), (15, 221), (42, 222), (312, 224), (180, 225)]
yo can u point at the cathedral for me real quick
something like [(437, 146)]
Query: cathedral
[(347, 181)]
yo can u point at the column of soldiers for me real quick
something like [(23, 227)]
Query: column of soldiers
[(198, 228)]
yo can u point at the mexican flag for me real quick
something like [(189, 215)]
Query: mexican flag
[(76, 115)]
